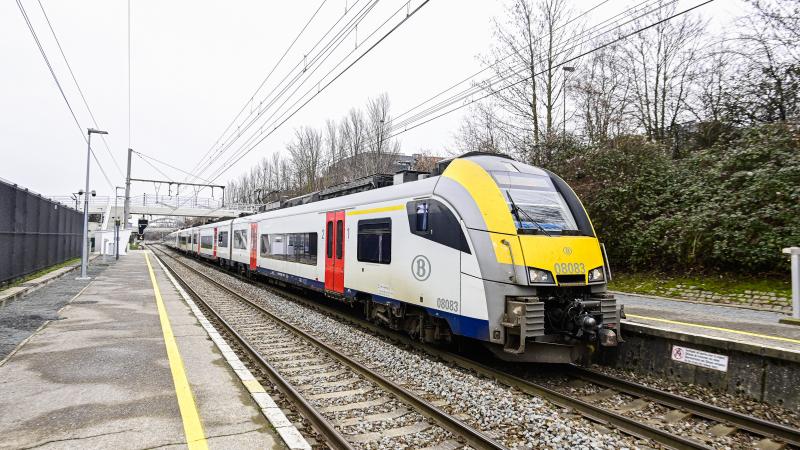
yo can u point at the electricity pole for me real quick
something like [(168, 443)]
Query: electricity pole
[(85, 247), (127, 207)]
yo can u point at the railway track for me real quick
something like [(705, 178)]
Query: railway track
[(624, 417), (346, 402)]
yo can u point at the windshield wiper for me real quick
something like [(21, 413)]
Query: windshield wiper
[(516, 210)]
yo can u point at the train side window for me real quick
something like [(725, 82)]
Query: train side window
[(375, 241), (240, 239), (339, 238), (329, 240), (206, 242), (265, 250), (222, 239), (294, 247), (433, 220)]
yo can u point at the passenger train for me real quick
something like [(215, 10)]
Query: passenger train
[(485, 248)]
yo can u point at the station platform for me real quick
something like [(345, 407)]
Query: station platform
[(125, 365), (729, 323), (736, 350)]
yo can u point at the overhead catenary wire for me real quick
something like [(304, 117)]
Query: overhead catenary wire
[(640, 9), (330, 48), (322, 88), (78, 86), (424, 117), (314, 62), (143, 155), (253, 141), (60, 88), (599, 47), (169, 178), (263, 82)]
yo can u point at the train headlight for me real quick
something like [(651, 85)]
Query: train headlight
[(596, 275), (539, 276)]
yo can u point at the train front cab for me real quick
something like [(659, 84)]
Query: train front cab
[(541, 265)]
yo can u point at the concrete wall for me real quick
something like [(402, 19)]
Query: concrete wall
[(770, 375)]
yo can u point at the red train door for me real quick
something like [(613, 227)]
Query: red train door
[(214, 244), (334, 251), (253, 245)]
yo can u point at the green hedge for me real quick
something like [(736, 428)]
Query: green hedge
[(729, 207)]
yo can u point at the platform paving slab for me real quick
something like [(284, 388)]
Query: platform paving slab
[(22, 315), (760, 326), (99, 377)]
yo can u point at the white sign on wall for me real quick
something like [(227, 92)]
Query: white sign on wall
[(700, 358)]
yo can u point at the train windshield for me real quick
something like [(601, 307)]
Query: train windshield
[(535, 204)]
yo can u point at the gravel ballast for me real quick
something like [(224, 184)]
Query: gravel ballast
[(515, 419)]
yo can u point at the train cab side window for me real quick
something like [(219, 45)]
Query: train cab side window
[(422, 217), (222, 239), (375, 241), (433, 220)]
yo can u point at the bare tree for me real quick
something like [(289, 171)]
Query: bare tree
[(524, 115), (767, 78), (353, 130), (382, 149), (306, 152), (481, 130), (602, 96), (661, 64)]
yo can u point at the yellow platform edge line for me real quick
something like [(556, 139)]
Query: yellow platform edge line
[(192, 427), (375, 210), (709, 327)]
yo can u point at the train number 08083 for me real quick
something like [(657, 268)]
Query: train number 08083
[(449, 305), (569, 268)]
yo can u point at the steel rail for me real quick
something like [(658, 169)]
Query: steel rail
[(725, 416), (317, 421), (472, 436), (629, 426)]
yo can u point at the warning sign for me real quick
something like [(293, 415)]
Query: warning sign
[(700, 358)]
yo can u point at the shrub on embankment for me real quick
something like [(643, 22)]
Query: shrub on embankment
[(730, 206)]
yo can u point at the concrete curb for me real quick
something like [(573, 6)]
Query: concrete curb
[(790, 321), (698, 302), (717, 342), (289, 433), (6, 295)]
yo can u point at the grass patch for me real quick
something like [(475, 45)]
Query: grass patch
[(39, 273), (655, 283)]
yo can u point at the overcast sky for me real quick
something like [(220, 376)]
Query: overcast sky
[(195, 63)]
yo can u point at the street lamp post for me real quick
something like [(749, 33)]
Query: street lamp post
[(85, 249), (567, 69), (116, 222)]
